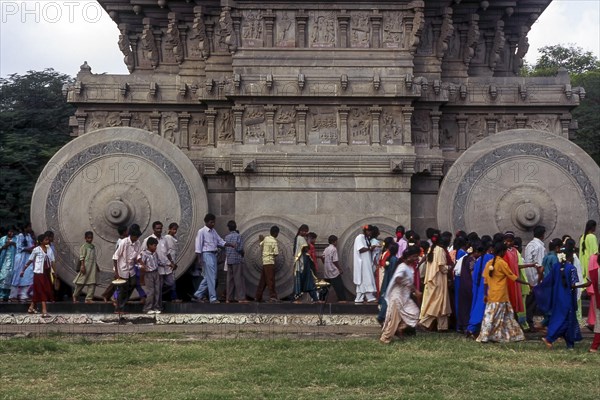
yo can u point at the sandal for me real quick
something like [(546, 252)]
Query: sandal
[(32, 311), (46, 315)]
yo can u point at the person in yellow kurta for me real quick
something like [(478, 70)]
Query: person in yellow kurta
[(499, 323), (436, 300), (588, 245)]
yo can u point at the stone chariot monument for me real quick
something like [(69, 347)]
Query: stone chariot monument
[(333, 114)]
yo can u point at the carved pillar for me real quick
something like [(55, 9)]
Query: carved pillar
[(184, 130), (565, 121), (491, 124), (210, 34), (211, 115), (521, 120), (435, 128), (237, 22), (125, 118), (376, 19), (407, 112), (461, 120), (238, 130), (158, 38), (301, 21), (155, 122), (343, 22), (270, 115), (81, 118), (269, 19), (343, 112), (375, 131), (301, 112)]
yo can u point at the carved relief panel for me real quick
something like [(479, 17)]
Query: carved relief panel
[(254, 126), (285, 29), (393, 30), (448, 131), (141, 120), (421, 127), (546, 123), (391, 126), (360, 30), (169, 128), (252, 28), (102, 119), (198, 131), (359, 122), (225, 126), (507, 122), (322, 126), (321, 29), (476, 129), (285, 125)]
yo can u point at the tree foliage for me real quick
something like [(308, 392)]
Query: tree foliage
[(34, 124), (573, 59), (584, 70)]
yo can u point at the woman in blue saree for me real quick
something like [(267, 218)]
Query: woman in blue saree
[(558, 295), (8, 250), (478, 303)]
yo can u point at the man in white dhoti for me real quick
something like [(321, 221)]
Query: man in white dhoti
[(363, 277)]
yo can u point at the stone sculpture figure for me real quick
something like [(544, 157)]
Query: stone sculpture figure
[(125, 47), (150, 50)]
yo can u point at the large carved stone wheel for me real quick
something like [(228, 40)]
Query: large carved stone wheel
[(284, 262), (517, 179), (112, 177)]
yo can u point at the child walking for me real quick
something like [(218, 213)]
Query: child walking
[(43, 266), (149, 264), (88, 270)]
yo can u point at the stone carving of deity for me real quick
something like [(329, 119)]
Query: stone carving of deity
[(150, 50), (125, 47), (174, 43), (199, 38), (225, 34), (323, 31), (285, 31)]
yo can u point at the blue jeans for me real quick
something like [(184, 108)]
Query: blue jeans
[(210, 277)]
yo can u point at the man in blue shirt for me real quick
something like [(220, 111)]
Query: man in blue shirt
[(208, 243)]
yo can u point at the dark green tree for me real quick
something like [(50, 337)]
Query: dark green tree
[(584, 70), (34, 124)]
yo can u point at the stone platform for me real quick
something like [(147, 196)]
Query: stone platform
[(195, 321)]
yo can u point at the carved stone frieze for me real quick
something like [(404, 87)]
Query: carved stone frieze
[(252, 28), (421, 127), (285, 125), (448, 131), (391, 127), (360, 30), (254, 125), (393, 30), (198, 131), (225, 126), (285, 29), (198, 39), (102, 119), (546, 123), (359, 122), (476, 129), (322, 32), (170, 128), (322, 126)]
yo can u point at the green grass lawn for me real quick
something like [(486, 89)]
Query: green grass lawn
[(429, 366)]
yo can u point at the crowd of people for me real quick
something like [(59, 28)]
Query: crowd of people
[(487, 287)]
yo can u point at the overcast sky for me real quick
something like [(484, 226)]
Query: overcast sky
[(63, 34)]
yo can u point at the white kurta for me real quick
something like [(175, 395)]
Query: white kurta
[(363, 267)]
